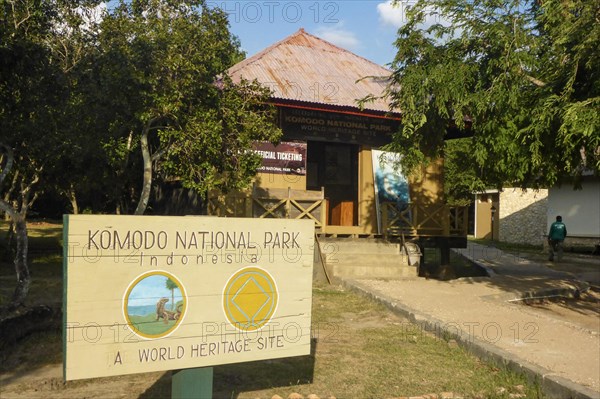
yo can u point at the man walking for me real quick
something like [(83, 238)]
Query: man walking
[(556, 236)]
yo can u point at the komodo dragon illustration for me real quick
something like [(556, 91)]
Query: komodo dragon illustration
[(167, 314)]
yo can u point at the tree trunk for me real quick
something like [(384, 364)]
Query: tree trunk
[(72, 195), (21, 267), (11, 188), (20, 226), (204, 205), (147, 185)]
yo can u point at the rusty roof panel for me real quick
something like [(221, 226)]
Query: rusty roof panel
[(303, 67)]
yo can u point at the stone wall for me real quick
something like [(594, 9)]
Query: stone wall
[(522, 215)]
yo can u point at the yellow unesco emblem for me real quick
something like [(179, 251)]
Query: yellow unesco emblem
[(250, 298)]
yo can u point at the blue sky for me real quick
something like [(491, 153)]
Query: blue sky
[(149, 290), (365, 27)]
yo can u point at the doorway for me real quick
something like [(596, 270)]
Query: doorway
[(334, 166)]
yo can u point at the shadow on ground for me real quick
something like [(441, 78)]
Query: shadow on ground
[(232, 379)]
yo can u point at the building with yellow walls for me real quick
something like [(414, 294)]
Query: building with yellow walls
[(326, 167)]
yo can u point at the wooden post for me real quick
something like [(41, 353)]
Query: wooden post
[(288, 204), (248, 205), (384, 220), (196, 383), (446, 221), (444, 252), (465, 219), (415, 219), (325, 215)]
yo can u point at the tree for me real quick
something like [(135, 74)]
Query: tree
[(521, 76), (170, 284), (462, 178), (165, 58), (79, 124), (79, 90), (44, 144), (30, 92)]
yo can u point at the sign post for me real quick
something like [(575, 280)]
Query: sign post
[(152, 293), (192, 383)]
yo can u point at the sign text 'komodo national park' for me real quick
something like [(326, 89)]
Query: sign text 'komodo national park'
[(151, 293)]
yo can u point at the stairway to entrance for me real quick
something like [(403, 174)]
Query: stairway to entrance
[(369, 258)]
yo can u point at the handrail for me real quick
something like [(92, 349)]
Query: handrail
[(291, 208), (423, 220), (269, 207), (411, 219)]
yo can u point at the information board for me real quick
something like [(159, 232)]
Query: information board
[(304, 124), (151, 293), (288, 158)]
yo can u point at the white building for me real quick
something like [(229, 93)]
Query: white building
[(524, 216)]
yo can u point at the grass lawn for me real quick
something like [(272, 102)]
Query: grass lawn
[(359, 350), (45, 263)]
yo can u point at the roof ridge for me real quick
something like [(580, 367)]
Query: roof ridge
[(256, 57), (262, 53), (292, 66), (342, 49)]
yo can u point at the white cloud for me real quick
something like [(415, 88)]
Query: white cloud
[(339, 36), (390, 14), (395, 14), (92, 16)]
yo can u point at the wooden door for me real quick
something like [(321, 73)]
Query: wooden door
[(334, 166)]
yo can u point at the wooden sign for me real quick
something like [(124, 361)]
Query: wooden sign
[(150, 293), (304, 124), (288, 158)]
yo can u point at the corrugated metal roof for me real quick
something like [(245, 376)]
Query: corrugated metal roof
[(303, 67)]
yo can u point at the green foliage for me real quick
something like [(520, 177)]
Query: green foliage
[(77, 92), (47, 100), (30, 89), (461, 176), (163, 59), (216, 142), (170, 284), (521, 76)]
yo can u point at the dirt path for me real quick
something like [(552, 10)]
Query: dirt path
[(557, 334), (47, 383)]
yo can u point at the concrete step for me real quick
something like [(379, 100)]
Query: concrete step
[(372, 259), (372, 271), (366, 258), (358, 246)]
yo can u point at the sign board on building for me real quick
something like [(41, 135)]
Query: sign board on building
[(287, 158), (305, 124), (151, 293), (391, 185)]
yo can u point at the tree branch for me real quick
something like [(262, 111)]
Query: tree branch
[(8, 152), (530, 78), (159, 154), (18, 23), (6, 207), (147, 159)]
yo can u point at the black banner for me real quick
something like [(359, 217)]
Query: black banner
[(285, 158), (305, 124)]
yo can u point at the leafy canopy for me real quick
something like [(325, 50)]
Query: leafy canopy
[(166, 62), (521, 76)]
